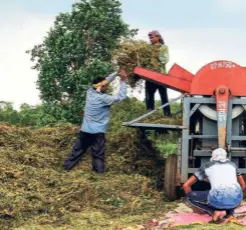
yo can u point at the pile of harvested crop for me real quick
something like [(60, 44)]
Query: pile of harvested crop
[(36, 193), (158, 118), (131, 54)]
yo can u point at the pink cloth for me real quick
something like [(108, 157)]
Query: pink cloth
[(172, 219), (241, 210), (175, 219), (243, 220), (187, 218)]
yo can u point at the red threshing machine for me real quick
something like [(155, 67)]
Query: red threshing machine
[(214, 115)]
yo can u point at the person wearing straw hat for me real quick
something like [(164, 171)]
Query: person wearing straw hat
[(159, 59), (227, 185), (95, 122)]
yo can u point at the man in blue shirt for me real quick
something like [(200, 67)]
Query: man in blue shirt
[(95, 122)]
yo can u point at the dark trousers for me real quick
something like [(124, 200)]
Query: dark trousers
[(199, 200), (83, 142), (150, 89)]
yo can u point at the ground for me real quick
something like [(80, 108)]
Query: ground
[(211, 227), (36, 192)]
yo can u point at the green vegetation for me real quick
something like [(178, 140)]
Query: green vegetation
[(77, 49), (36, 192)]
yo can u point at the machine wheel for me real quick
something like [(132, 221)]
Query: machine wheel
[(170, 177)]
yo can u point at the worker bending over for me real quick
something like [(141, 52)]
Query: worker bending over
[(227, 185), (159, 59), (95, 122)]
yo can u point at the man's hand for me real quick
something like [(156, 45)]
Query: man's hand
[(187, 185), (241, 182), (123, 74)]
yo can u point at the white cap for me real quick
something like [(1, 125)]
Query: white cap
[(219, 154)]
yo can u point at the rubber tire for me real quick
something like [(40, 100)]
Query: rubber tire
[(170, 176)]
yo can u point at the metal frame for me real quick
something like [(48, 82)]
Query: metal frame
[(187, 136), (151, 112), (190, 106), (185, 145), (154, 126)]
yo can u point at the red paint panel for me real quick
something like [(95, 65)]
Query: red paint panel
[(180, 72), (172, 82), (219, 73), (206, 80), (222, 97)]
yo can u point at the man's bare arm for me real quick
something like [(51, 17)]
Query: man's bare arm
[(241, 181), (187, 185)]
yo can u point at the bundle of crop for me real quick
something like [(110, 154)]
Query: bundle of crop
[(37, 193), (158, 118), (131, 54)]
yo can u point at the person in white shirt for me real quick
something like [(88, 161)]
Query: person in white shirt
[(227, 185)]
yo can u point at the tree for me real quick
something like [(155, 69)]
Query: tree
[(32, 116), (77, 49), (8, 113)]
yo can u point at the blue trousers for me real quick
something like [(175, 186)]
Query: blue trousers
[(199, 200), (83, 142)]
